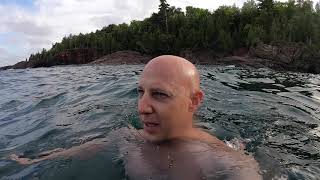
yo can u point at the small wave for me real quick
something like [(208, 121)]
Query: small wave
[(131, 94), (10, 105), (51, 101)]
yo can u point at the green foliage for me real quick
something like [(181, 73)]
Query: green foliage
[(170, 30), (254, 34)]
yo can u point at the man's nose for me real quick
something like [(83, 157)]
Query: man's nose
[(144, 105)]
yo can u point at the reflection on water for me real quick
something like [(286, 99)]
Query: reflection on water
[(276, 114)]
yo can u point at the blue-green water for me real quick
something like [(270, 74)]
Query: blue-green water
[(276, 114)]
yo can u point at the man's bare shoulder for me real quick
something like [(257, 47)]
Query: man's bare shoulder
[(247, 167), (203, 136), (218, 145)]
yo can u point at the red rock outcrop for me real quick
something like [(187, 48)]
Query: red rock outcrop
[(123, 57)]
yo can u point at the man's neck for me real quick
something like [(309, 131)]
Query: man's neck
[(184, 133)]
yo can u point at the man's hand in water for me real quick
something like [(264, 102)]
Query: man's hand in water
[(42, 156), (20, 160)]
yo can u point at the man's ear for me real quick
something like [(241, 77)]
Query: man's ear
[(196, 99)]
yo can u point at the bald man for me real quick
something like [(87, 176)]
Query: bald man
[(172, 148), (169, 95)]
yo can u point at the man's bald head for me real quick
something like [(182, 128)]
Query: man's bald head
[(177, 69)]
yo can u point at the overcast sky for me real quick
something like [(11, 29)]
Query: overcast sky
[(27, 26)]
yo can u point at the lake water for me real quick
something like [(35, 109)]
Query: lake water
[(276, 114)]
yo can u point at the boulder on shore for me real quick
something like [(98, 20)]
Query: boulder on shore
[(285, 53), (292, 56)]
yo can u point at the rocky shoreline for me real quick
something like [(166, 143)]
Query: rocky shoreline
[(290, 57)]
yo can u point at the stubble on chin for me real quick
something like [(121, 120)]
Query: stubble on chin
[(152, 138)]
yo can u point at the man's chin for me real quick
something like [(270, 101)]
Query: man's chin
[(154, 138)]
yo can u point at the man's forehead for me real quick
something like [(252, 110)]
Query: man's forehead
[(168, 75), (156, 82)]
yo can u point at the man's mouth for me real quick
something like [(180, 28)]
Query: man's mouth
[(151, 127), (151, 124)]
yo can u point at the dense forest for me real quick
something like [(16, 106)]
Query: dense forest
[(171, 30)]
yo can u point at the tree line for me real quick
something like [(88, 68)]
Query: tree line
[(171, 30)]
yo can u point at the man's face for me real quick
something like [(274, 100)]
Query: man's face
[(163, 105)]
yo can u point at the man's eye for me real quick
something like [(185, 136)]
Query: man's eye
[(159, 95), (140, 92)]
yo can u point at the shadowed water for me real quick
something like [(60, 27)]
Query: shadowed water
[(276, 114)]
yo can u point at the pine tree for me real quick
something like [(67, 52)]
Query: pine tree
[(318, 7), (163, 13)]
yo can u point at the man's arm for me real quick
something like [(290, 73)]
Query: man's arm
[(82, 151)]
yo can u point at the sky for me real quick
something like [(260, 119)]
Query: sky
[(27, 26)]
